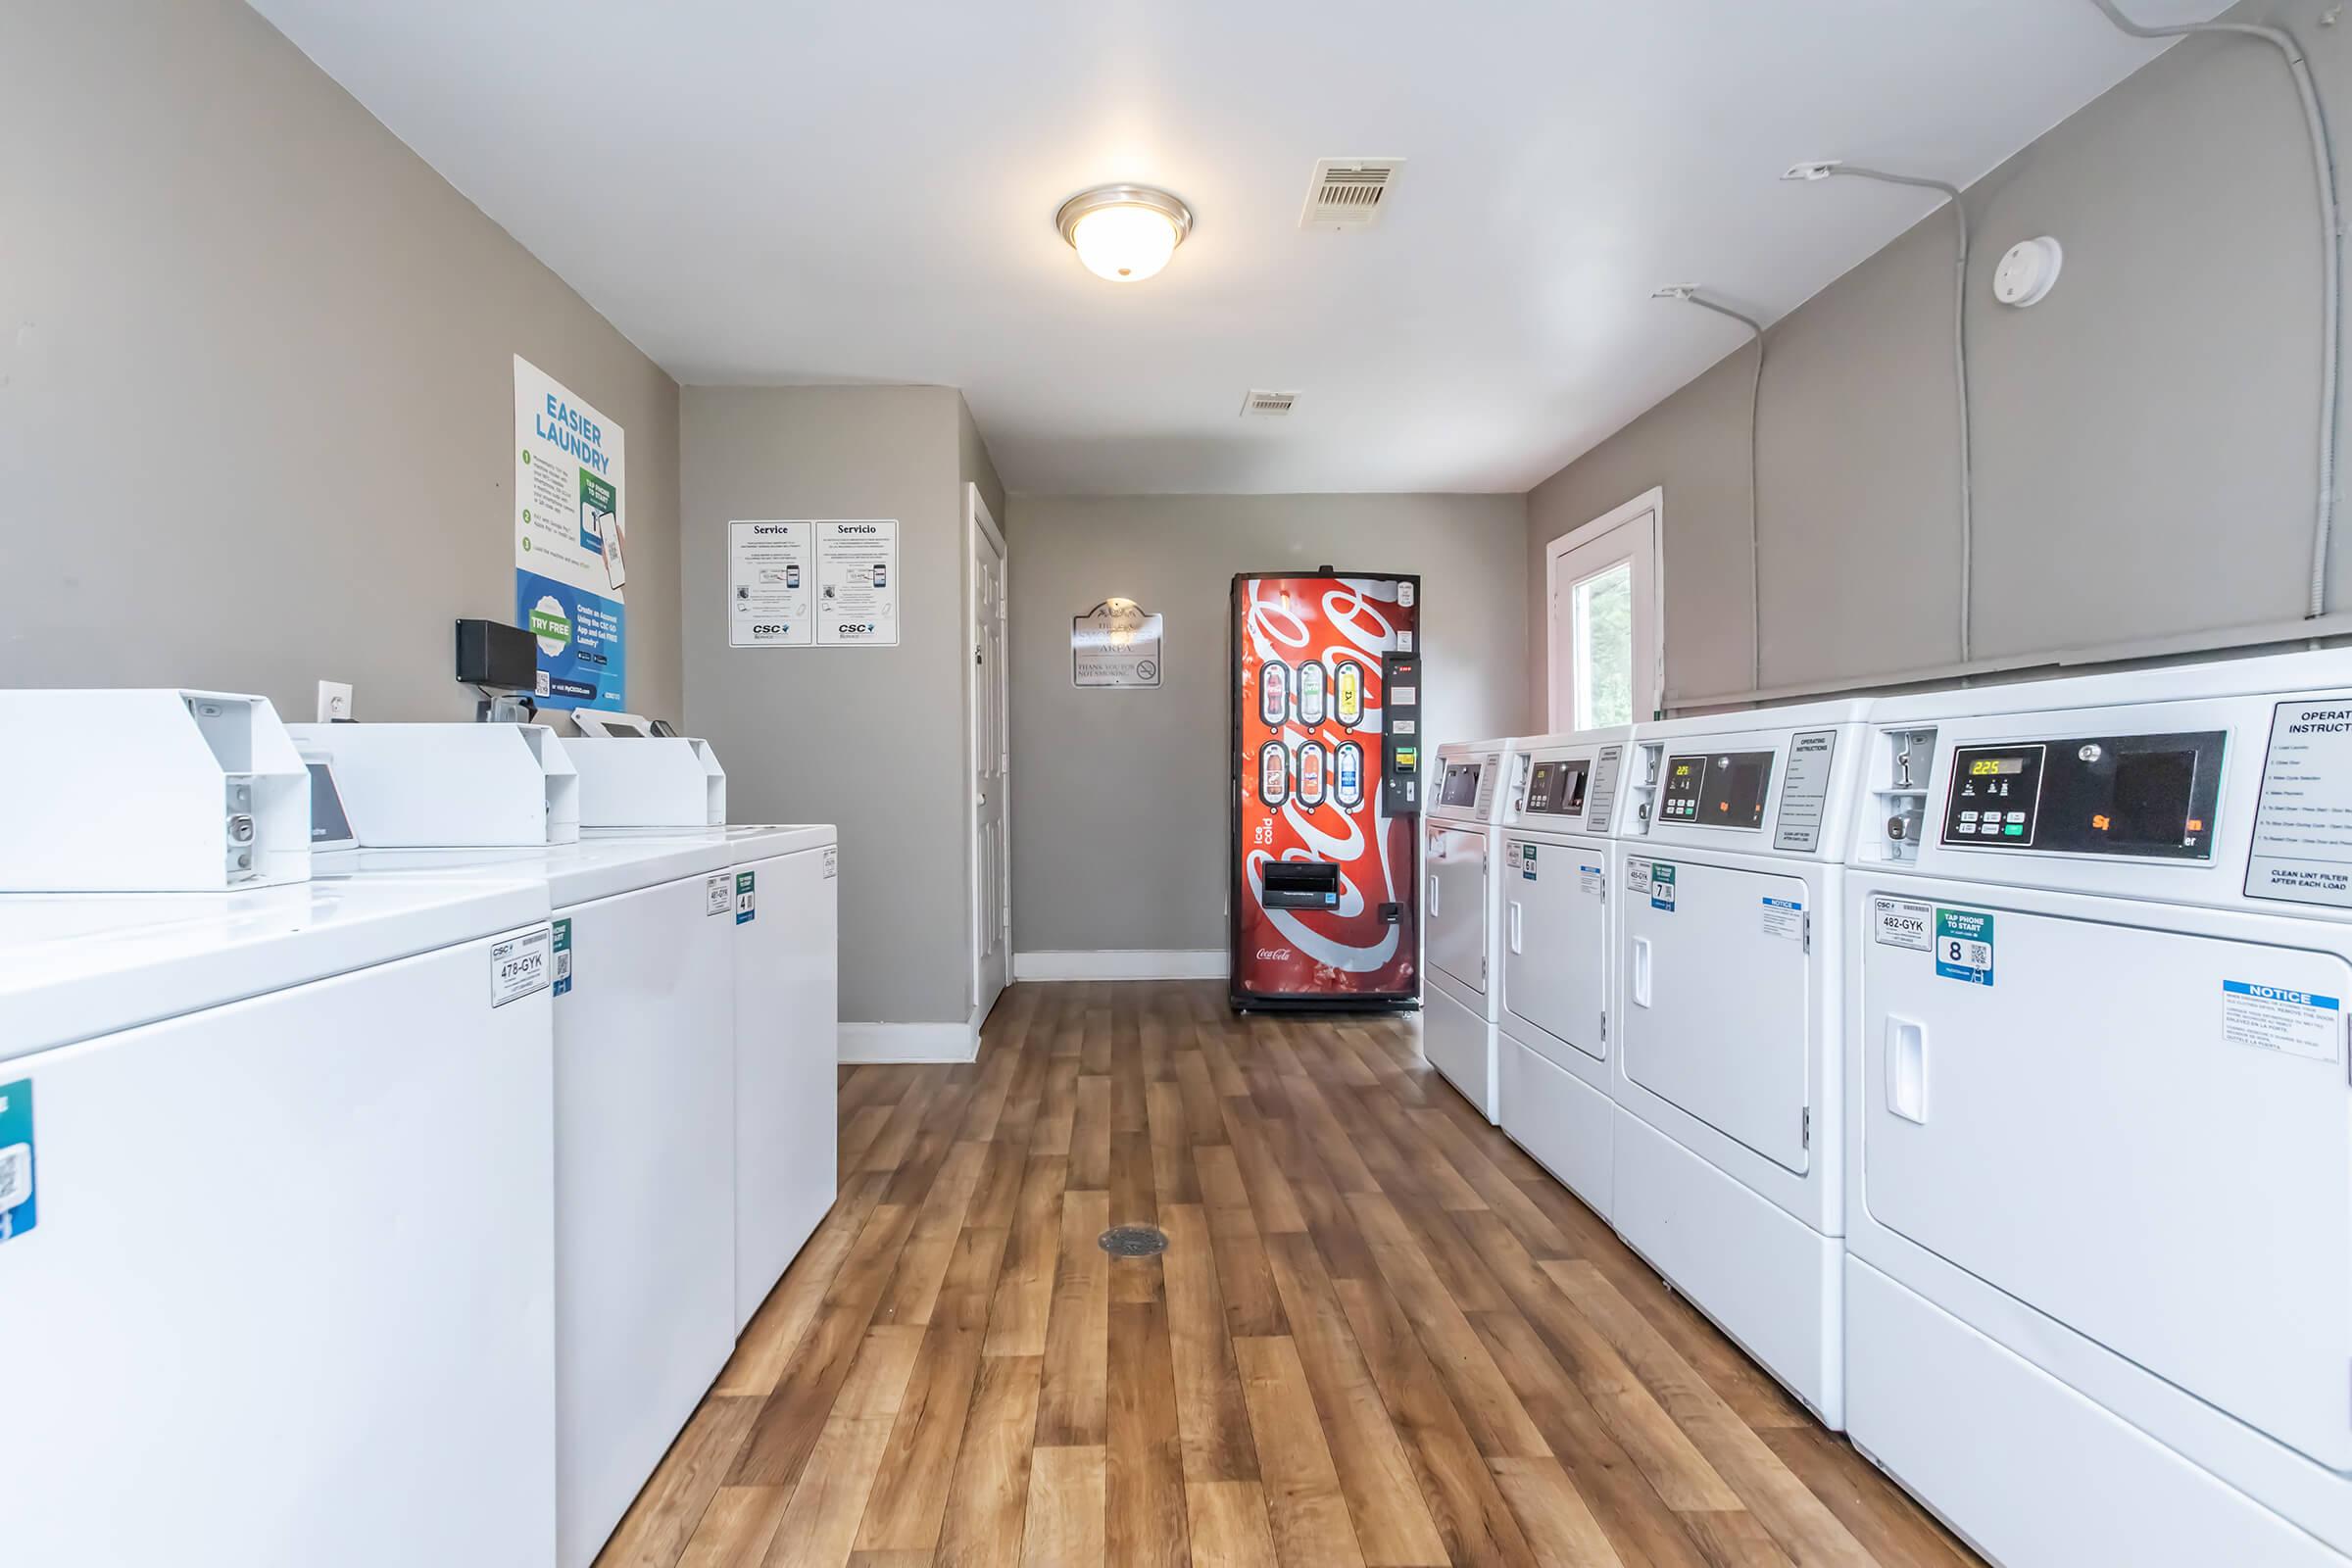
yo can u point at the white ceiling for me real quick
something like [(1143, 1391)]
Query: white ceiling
[(765, 192)]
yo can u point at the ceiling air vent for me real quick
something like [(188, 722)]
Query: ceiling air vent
[(1350, 192), (1269, 403)]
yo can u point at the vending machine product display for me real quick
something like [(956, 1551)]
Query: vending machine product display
[(1326, 780)]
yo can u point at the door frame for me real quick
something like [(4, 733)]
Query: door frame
[(979, 523), (1560, 706)]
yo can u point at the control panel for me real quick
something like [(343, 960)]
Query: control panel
[(1558, 788), (2149, 796), (1458, 784), (1401, 770), (1725, 789)]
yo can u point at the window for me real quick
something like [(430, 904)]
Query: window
[(1605, 654)]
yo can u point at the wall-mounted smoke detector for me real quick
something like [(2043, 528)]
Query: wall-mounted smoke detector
[(1268, 403), (1350, 192)]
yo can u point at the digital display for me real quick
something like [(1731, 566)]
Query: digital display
[(1723, 790), (1996, 766)]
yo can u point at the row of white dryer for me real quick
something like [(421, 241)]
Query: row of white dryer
[(385, 1204), (1977, 1059)]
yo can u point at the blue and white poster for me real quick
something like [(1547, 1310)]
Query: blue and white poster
[(570, 542)]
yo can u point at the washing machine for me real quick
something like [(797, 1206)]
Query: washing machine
[(1724, 1168), (786, 961), (787, 967), (1459, 827), (644, 1155), (1558, 866), (2099, 1272), (276, 1196)]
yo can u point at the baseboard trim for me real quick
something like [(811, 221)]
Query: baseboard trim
[(1123, 963), (909, 1042)]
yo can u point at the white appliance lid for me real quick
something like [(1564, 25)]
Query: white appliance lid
[(76, 965)]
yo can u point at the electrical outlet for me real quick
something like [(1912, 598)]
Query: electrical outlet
[(334, 702)]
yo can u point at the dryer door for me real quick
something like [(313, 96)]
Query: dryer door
[(1457, 904), (1556, 952), (1717, 1016), (2143, 1133)]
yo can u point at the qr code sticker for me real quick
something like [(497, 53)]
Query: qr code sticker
[(16, 1175)]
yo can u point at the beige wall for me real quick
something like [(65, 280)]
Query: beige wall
[(256, 378), (1119, 797), (2145, 437), (871, 739)]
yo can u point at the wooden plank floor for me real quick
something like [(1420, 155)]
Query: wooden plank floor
[(1380, 1333)]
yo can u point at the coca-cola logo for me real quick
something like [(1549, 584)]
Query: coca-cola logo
[(1274, 954)]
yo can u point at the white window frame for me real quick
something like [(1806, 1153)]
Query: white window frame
[(1560, 694)]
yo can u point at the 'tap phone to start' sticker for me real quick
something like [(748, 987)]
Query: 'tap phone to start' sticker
[(747, 904), (18, 1209), (563, 957), (1964, 946)]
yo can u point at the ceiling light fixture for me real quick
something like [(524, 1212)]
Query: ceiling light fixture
[(1125, 234)]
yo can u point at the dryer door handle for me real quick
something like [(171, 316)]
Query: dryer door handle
[(1907, 1068), (1640, 972), (1514, 908), (1433, 895)]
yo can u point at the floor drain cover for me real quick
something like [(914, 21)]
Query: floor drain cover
[(1134, 1241)]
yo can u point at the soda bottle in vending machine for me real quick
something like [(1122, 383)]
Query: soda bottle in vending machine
[(1273, 774), (1348, 787), (1274, 693), (1352, 692), (1310, 692), (1310, 773)]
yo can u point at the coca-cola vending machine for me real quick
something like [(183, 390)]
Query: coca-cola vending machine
[(1326, 784)]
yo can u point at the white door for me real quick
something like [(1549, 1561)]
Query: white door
[(1555, 943), (1457, 904), (2060, 1120), (1716, 1021), (992, 885), (1604, 627)]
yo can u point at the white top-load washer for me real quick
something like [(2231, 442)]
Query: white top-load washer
[(1559, 868), (2099, 1282), (1475, 781), (1725, 1167), (787, 946), (644, 1089), (277, 1261)]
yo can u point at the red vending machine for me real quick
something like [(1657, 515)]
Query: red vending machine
[(1326, 789)]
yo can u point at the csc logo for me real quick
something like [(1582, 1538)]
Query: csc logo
[(856, 628), (772, 629)]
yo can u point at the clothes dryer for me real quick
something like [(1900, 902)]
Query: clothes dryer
[(1560, 867), (2100, 1202), (1725, 1165), (1476, 780)]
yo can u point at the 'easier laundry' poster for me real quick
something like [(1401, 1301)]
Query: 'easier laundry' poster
[(570, 538)]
